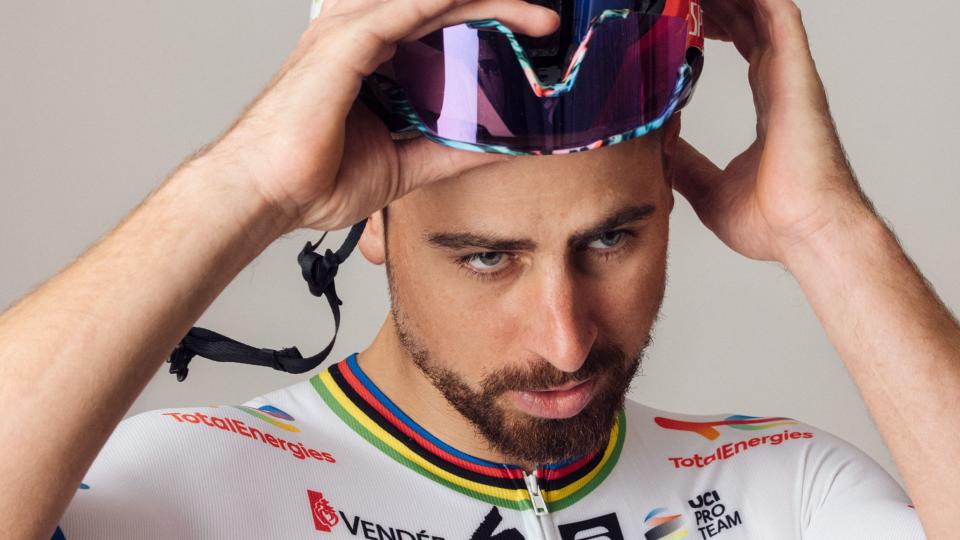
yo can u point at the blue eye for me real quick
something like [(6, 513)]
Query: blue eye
[(608, 239), (487, 260)]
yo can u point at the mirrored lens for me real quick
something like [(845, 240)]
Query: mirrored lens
[(470, 84)]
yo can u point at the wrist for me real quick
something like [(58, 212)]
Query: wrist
[(233, 196), (852, 230)]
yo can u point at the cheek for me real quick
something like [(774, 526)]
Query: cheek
[(627, 300), (461, 323)]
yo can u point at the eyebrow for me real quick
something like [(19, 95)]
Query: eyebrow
[(462, 240)]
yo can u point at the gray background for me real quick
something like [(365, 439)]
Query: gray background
[(99, 101)]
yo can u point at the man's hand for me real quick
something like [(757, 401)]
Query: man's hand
[(326, 161), (791, 197), (793, 182), (301, 150)]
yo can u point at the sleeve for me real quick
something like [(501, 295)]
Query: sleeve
[(846, 494)]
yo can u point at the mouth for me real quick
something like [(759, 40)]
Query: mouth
[(559, 402)]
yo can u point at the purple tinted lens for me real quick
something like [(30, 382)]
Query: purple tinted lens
[(468, 85)]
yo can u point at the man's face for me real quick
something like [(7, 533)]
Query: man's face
[(526, 291)]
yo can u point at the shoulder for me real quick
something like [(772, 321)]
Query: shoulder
[(730, 433), (755, 446), (781, 458), (200, 463), (278, 419)]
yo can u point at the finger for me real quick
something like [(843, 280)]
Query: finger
[(778, 23), (712, 30), (423, 162), (516, 16), (395, 20), (736, 21)]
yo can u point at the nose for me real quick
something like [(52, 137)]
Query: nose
[(559, 327)]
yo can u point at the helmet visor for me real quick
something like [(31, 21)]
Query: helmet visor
[(475, 84)]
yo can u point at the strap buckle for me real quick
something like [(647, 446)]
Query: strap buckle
[(179, 360)]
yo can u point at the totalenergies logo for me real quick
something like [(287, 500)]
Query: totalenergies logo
[(664, 525), (271, 415), (708, 430), (267, 413)]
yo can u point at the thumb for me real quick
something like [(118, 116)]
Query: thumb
[(423, 161), (694, 175)]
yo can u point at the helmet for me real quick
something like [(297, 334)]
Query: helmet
[(613, 70)]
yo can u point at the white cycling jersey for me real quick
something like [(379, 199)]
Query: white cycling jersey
[(333, 457)]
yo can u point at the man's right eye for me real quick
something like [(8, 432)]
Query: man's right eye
[(485, 261)]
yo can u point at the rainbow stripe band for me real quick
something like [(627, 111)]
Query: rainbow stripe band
[(365, 409)]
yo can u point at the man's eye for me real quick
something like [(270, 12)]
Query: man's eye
[(606, 240), (484, 261)]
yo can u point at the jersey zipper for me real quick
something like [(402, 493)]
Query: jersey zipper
[(536, 497)]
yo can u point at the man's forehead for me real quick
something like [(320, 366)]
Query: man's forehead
[(525, 191), (516, 204)]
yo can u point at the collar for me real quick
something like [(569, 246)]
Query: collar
[(362, 406)]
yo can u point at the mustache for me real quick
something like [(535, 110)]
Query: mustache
[(542, 375)]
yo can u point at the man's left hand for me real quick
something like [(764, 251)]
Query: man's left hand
[(793, 182)]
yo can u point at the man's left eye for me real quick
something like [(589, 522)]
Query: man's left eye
[(606, 240)]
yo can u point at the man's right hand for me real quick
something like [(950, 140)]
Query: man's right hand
[(103, 326), (321, 158)]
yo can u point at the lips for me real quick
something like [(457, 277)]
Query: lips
[(559, 402)]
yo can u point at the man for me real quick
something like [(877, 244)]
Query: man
[(523, 290)]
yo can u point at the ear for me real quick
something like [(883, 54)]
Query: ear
[(669, 137), (372, 243)]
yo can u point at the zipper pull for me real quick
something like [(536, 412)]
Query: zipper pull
[(533, 487)]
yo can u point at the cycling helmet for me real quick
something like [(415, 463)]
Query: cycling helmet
[(613, 70)]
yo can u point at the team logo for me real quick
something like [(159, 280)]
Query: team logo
[(696, 20), (664, 525), (712, 515), (271, 415), (268, 413), (488, 529), (324, 516), (599, 528), (708, 430)]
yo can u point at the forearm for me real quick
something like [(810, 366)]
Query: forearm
[(76, 352), (902, 348)]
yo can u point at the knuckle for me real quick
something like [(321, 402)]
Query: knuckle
[(428, 9), (792, 11), (366, 37), (423, 8)]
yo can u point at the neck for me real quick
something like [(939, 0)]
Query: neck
[(389, 366)]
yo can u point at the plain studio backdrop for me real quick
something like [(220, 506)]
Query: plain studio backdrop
[(99, 102)]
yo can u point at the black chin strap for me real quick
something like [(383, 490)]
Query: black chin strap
[(319, 271)]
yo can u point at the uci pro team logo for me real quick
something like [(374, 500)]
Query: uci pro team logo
[(708, 430)]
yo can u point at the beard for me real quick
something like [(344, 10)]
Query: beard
[(526, 438)]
